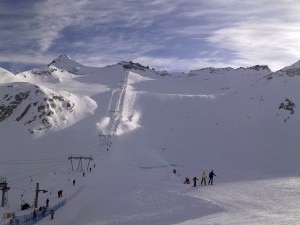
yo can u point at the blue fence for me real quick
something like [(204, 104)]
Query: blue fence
[(29, 220)]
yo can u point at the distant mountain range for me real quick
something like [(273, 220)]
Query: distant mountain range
[(27, 98)]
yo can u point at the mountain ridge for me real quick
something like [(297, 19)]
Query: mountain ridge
[(65, 62), (65, 70)]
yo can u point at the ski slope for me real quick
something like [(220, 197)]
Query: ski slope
[(271, 201)]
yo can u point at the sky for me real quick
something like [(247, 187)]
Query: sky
[(163, 34)]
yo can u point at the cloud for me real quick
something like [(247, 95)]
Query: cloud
[(209, 33), (274, 43), (52, 17), (28, 58), (269, 36)]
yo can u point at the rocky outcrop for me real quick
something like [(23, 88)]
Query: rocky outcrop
[(32, 106)]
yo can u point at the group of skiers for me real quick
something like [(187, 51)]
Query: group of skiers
[(42, 211), (211, 176)]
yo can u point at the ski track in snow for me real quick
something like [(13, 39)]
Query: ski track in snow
[(115, 106), (262, 202)]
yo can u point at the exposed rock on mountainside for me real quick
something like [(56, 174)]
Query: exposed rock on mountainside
[(288, 105), (31, 105), (137, 66), (211, 70)]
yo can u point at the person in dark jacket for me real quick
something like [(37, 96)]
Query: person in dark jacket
[(52, 214), (195, 181), (34, 215), (211, 177), (47, 203)]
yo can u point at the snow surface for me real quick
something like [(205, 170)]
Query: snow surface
[(227, 120)]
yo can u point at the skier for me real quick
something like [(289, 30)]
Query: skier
[(211, 177), (195, 181), (44, 209), (74, 182), (203, 180), (47, 202), (34, 215), (59, 193), (187, 180), (52, 214)]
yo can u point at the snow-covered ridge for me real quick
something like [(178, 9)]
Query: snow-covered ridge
[(6, 76), (289, 71), (49, 74), (255, 70), (293, 66), (65, 70)]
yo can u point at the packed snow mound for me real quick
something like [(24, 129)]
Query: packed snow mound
[(38, 108), (6, 76)]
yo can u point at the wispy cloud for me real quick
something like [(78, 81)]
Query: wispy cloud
[(52, 17), (203, 33), (272, 42)]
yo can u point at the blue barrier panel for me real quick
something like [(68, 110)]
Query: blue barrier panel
[(28, 218)]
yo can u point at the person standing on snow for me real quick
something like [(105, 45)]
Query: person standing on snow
[(203, 180), (52, 214), (34, 215), (211, 177), (195, 181)]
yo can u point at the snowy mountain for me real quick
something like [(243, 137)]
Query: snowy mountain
[(6, 76), (127, 127)]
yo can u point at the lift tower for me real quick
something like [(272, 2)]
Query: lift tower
[(4, 188)]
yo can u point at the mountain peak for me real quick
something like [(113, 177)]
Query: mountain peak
[(64, 57), (292, 70), (296, 65), (66, 63)]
